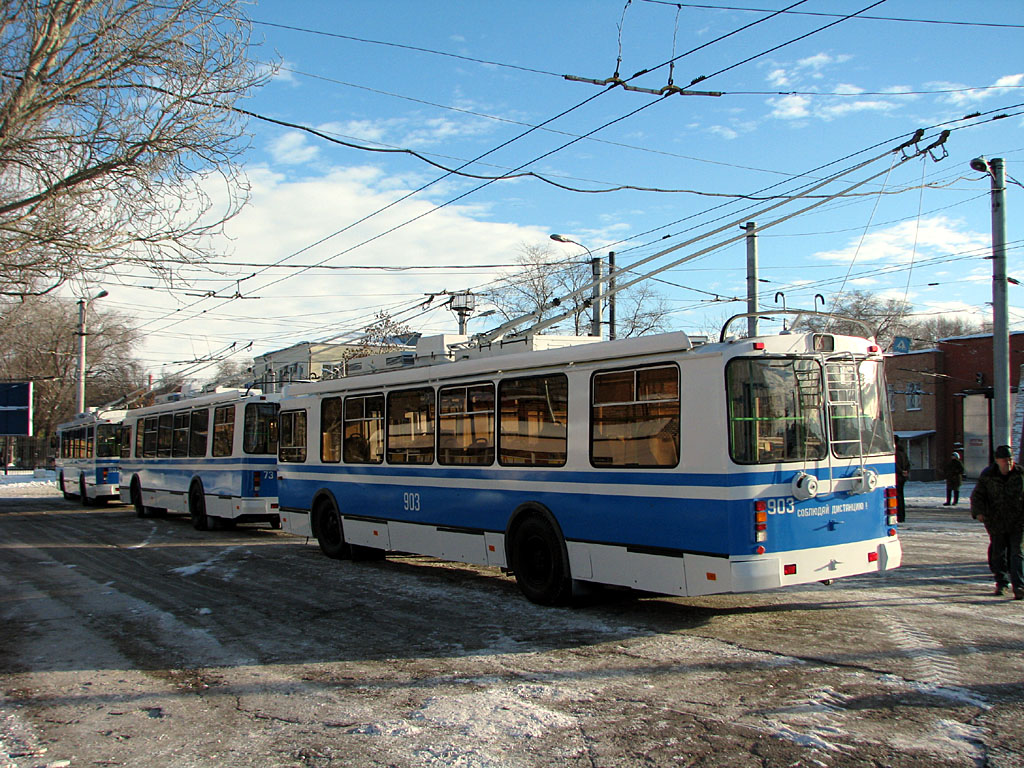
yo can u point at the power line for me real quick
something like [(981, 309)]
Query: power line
[(814, 13)]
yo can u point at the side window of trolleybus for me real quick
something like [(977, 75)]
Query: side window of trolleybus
[(260, 430), (775, 410), (292, 445), (858, 420), (149, 439), (198, 432), (223, 430), (635, 418), (179, 444), (126, 441), (466, 424), (361, 425), (411, 426), (534, 418)]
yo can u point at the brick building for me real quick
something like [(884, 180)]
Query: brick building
[(940, 400)]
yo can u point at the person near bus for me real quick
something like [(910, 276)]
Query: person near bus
[(998, 502), (954, 477), (902, 474)]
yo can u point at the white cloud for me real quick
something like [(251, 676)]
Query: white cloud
[(934, 236), (293, 148), (790, 107), (779, 78), (847, 107), (973, 95)]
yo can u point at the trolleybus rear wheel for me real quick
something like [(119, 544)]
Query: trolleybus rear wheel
[(64, 490), (136, 495), (329, 533), (540, 562), (197, 507), (82, 495)]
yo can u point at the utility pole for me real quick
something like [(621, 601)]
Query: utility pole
[(751, 228), (1000, 314), (611, 295), (82, 307), (595, 301)]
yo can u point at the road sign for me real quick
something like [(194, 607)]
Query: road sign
[(901, 345)]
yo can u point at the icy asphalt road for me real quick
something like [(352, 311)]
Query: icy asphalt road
[(129, 642)]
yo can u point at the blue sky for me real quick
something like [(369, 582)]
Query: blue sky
[(455, 81)]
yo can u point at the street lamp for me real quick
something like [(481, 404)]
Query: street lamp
[(82, 305), (595, 266), (1000, 314)]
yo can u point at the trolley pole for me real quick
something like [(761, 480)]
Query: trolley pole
[(751, 228)]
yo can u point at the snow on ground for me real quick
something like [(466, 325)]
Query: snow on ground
[(42, 482)]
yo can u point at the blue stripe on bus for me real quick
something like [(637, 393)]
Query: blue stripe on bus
[(685, 524)]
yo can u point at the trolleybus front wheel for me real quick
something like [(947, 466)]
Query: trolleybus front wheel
[(540, 562), (136, 495), (82, 495)]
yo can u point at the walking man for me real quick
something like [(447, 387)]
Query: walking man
[(998, 502), (902, 475), (954, 478)]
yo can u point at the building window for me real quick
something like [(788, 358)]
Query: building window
[(914, 392)]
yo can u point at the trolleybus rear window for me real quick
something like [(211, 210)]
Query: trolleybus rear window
[(259, 432), (858, 409), (775, 410), (108, 441)]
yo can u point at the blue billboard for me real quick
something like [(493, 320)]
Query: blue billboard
[(16, 408)]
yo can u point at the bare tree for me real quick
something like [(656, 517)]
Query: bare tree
[(384, 334), (544, 277), (118, 138), (38, 339), (926, 333), (886, 318)]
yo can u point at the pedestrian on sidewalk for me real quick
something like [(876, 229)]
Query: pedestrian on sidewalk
[(902, 475), (998, 502), (954, 477)]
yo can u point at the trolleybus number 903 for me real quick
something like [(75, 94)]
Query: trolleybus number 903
[(411, 502), (780, 506)]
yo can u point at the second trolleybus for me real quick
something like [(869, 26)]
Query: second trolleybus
[(212, 457)]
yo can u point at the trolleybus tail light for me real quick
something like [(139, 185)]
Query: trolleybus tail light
[(103, 476), (790, 569), (255, 483), (760, 520), (891, 506), (873, 557), (873, 348), (758, 345)]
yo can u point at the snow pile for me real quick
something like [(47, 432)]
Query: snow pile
[(42, 482)]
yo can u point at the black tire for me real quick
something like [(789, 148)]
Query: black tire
[(540, 562), (136, 495), (82, 495), (275, 522), (64, 490), (329, 532), (197, 507)]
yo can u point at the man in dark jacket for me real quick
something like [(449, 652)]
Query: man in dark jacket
[(998, 502)]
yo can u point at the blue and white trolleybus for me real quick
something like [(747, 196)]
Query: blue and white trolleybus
[(651, 463)]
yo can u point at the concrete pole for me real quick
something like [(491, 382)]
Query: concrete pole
[(611, 297), (81, 356), (1000, 313), (595, 303), (751, 228)]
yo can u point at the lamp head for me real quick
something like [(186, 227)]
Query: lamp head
[(562, 239), (980, 164)]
